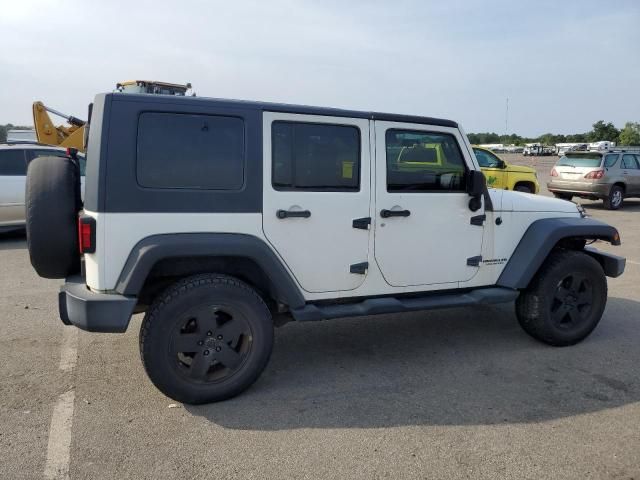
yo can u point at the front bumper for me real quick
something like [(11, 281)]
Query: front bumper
[(612, 265), (588, 189), (91, 311)]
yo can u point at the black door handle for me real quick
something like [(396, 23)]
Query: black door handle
[(293, 214), (394, 213)]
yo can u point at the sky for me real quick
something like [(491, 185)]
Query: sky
[(562, 64)]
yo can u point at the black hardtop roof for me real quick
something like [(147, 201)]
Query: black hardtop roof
[(282, 107)]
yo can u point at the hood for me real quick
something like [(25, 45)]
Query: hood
[(528, 202), (519, 168)]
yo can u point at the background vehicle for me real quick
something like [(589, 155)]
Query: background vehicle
[(537, 150), (562, 148), (601, 146), (14, 159), (611, 177), (500, 174), (243, 235)]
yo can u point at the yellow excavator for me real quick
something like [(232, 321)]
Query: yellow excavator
[(71, 134)]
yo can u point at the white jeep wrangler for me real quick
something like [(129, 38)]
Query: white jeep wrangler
[(221, 218)]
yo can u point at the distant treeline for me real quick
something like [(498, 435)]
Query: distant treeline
[(629, 135)]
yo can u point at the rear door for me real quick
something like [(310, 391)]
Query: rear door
[(316, 197), (631, 173), (13, 168)]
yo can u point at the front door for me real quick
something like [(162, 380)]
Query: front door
[(316, 183), (424, 230)]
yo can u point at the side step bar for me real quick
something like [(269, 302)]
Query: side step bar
[(376, 306)]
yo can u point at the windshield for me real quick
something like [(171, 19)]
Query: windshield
[(580, 161)]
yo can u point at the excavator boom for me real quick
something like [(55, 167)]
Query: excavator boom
[(70, 136)]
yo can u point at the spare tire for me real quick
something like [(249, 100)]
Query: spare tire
[(52, 203)]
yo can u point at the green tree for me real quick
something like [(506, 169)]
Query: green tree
[(604, 131), (630, 134)]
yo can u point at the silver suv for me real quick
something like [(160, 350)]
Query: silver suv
[(14, 158), (610, 176)]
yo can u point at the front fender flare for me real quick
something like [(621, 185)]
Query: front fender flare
[(540, 238)]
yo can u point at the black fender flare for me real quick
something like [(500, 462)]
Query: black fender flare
[(540, 238), (150, 250)]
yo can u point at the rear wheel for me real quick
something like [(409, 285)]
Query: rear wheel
[(615, 198), (206, 338), (566, 299)]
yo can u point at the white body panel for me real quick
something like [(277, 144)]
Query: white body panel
[(427, 254)]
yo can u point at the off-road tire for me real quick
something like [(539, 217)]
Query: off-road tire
[(169, 311), (538, 308), (52, 197), (615, 199)]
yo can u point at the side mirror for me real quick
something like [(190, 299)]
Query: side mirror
[(476, 183), (501, 164)]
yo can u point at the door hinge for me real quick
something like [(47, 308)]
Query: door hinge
[(474, 261), (359, 268), (362, 223), (478, 220)]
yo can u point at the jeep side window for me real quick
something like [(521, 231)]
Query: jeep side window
[(629, 161), (12, 163), (315, 156), (423, 162), (190, 151), (610, 160)]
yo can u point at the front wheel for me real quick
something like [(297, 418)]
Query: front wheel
[(565, 300), (206, 338)]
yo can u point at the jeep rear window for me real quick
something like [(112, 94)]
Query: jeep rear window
[(315, 156), (580, 161), (190, 151)]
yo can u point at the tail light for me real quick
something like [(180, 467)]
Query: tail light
[(554, 172), (86, 234), (595, 174)]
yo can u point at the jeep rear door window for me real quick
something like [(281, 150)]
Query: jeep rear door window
[(12, 163), (190, 151), (423, 161), (315, 156)]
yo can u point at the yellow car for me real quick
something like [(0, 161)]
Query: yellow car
[(500, 174)]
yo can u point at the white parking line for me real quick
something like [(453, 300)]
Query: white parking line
[(634, 263), (59, 446)]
